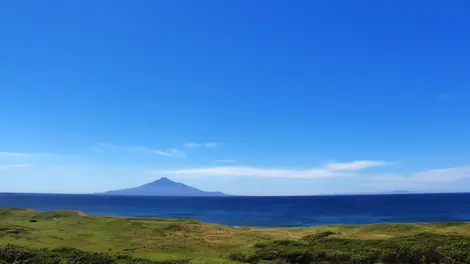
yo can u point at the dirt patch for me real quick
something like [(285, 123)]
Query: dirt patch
[(79, 213), (277, 233), (375, 236), (31, 211)]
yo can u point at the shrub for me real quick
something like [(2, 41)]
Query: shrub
[(422, 248), (21, 255), (319, 235)]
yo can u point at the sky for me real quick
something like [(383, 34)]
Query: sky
[(244, 97)]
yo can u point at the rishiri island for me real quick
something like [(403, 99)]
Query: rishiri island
[(164, 187)]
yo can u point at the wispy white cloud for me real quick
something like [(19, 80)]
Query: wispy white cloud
[(13, 166), (357, 165), (192, 145), (62, 178), (169, 152), (438, 175), (201, 145), (429, 176), (226, 161), (15, 154), (326, 171)]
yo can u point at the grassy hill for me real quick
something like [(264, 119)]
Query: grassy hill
[(186, 239)]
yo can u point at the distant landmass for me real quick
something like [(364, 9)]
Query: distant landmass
[(403, 192), (164, 187), (389, 192)]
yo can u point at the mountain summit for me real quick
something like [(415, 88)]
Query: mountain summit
[(164, 187)]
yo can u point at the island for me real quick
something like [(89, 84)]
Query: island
[(164, 187)]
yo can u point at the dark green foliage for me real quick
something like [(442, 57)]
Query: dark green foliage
[(174, 227), (318, 235), (54, 215), (13, 230), (421, 248), (20, 255), (166, 239)]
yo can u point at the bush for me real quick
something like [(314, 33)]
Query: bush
[(422, 248), (319, 235), (21, 255)]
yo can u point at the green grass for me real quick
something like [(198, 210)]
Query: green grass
[(170, 239)]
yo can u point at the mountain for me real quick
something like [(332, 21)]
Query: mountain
[(164, 187)]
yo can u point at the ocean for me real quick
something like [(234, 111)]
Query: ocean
[(262, 211)]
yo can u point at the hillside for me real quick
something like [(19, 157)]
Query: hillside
[(164, 187), (191, 241)]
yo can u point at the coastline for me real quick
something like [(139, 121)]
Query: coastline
[(266, 212), (167, 239)]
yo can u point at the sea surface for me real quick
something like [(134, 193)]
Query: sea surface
[(262, 211)]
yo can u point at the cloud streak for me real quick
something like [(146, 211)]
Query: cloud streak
[(429, 176), (326, 171), (357, 165), (169, 152), (225, 161), (14, 154), (13, 166), (201, 145)]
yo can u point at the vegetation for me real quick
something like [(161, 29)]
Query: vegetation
[(422, 248), (28, 236), (18, 254)]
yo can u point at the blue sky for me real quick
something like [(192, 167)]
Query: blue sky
[(244, 97)]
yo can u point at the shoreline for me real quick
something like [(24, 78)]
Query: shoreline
[(165, 239), (268, 212), (34, 212), (82, 213)]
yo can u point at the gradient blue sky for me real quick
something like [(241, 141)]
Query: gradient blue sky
[(245, 97)]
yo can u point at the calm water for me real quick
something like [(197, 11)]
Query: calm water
[(262, 211)]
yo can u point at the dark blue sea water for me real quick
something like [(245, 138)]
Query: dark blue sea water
[(262, 211)]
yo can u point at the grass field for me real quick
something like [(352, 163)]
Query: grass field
[(167, 239)]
